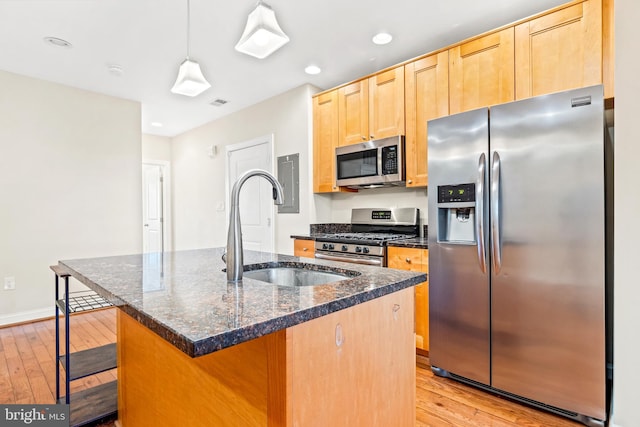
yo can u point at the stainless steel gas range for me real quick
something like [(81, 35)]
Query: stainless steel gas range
[(371, 230)]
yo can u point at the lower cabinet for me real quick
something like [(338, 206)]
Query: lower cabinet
[(304, 248), (415, 260)]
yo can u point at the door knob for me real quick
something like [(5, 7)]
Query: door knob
[(146, 225)]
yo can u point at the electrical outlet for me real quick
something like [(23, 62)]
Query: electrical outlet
[(9, 283)]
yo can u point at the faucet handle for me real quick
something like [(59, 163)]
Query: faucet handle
[(224, 257)]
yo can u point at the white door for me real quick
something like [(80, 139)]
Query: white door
[(256, 202), (152, 208)]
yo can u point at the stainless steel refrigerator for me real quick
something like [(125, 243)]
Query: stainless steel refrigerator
[(517, 250)]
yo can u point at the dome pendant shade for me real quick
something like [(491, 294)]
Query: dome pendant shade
[(190, 81), (262, 36)]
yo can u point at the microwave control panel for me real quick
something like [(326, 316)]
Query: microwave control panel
[(389, 160)]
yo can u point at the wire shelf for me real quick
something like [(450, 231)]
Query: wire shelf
[(86, 300)]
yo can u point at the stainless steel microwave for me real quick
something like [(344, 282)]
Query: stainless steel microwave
[(376, 163)]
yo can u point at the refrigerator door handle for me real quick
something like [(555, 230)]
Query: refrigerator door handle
[(480, 213), (496, 250)]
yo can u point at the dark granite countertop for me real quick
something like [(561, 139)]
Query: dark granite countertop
[(304, 236), (184, 296), (416, 242)]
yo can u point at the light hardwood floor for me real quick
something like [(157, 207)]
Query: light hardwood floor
[(27, 375)]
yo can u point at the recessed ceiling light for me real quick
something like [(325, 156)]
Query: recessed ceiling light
[(115, 69), (156, 124), (382, 38), (312, 69), (55, 41)]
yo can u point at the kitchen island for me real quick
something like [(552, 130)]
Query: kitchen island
[(196, 350)]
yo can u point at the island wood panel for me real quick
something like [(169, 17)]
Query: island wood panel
[(304, 248), (368, 379), (159, 382), (386, 104), (439, 401), (559, 51), (353, 113), (325, 141), (426, 97), (481, 72)]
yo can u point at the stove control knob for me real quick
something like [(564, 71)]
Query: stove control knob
[(345, 247), (358, 249), (365, 250), (325, 246), (331, 247)]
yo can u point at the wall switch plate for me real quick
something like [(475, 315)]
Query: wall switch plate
[(9, 283)]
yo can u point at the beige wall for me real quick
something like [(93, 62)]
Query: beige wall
[(626, 412), (70, 185), (156, 148), (199, 180)]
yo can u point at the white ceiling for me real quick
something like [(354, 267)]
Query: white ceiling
[(147, 38)]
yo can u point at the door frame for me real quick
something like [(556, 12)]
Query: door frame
[(265, 139), (166, 201)]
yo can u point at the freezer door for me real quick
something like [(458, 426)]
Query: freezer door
[(548, 282), (458, 286)]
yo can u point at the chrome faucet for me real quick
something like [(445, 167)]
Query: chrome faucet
[(234, 237)]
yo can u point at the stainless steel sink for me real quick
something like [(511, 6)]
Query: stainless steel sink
[(294, 276)]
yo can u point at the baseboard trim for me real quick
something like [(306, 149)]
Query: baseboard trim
[(26, 316)]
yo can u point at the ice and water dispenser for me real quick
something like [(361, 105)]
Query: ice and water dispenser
[(456, 213)]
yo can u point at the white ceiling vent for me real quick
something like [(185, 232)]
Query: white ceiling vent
[(218, 102)]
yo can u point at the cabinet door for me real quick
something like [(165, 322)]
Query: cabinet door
[(325, 140), (426, 97), (481, 72), (422, 307), (353, 113), (559, 51), (386, 104), (415, 260), (304, 248)]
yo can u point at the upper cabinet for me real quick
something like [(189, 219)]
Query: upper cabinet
[(386, 104), (353, 111), (325, 140), (559, 51), (426, 97), (567, 47), (372, 108), (481, 72)]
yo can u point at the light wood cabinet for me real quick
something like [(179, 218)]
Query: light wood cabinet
[(338, 369), (353, 113), (559, 51), (372, 108), (386, 104), (413, 259), (325, 140), (426, 97), (481, 72), (345, 366), (304, 248)]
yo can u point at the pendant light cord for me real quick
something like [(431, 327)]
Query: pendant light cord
[(188, 26)]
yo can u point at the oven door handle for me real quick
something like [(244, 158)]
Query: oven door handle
[(365, 261)]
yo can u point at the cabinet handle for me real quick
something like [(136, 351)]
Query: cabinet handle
[(408, 260), (364, 138), (371, 137), (409, 181), (305, 249)]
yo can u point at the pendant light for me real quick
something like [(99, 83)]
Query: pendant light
[(190, 81), (262, 36)]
